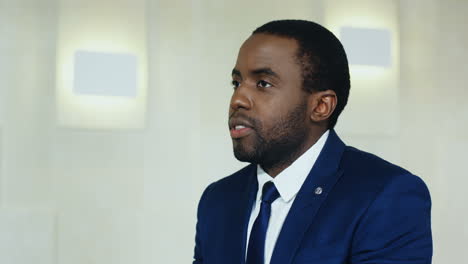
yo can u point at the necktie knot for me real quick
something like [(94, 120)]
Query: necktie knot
[(269, 193)]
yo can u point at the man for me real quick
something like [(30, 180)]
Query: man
[(305, 197)]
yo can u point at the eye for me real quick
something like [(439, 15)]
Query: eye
[(235, 84), (263, 84)]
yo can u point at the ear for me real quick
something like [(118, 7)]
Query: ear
[(321, 105)]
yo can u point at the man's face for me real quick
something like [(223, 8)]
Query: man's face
[(268, 111)]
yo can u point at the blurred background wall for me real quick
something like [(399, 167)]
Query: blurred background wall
[(89, 179)]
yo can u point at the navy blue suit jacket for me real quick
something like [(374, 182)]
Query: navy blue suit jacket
[(369, 212)]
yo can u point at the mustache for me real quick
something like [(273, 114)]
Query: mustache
[(254, 122)]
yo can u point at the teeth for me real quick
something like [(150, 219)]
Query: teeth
[(239, 127)]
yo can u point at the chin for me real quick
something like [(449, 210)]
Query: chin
[(245, 155)]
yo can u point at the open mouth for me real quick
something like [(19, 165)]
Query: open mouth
[(239, 128), (240, 131)]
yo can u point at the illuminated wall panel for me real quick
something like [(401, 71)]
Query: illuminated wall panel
[(106, 74), (367, 46), (102, 27), (373, 106)]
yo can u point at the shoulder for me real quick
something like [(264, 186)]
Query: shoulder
[(371, 173), (357, 160), (364, 164), (394, 209), (234, 183)]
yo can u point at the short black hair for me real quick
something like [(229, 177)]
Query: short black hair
[(321, 56)]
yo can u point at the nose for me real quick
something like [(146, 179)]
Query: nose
[(241, 99)]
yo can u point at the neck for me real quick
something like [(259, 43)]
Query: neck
[(275, 166)]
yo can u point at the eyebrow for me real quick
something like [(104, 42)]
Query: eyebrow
[(260, 71), (236, 72), (264, 71)]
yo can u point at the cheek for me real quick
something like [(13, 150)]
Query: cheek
[(269, 123), (281, 122), (274, 113)]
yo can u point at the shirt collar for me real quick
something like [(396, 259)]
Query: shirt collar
[(289, 181)]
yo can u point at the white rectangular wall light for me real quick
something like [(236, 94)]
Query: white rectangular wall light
[(374, 100), (107, 74), (367, 46), (102, 64)]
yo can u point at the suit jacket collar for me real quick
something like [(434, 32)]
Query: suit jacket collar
[(324, 174), (248, 200)]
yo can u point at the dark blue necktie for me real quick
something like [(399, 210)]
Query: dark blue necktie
[(256, 249)]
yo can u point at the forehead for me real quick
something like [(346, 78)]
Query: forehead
[(265, 50)]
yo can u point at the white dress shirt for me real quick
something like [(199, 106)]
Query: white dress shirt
[(288, 183)]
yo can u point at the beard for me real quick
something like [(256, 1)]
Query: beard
[(277, 145)]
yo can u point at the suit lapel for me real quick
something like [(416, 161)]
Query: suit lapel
[(244, 205), (324, 174)]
